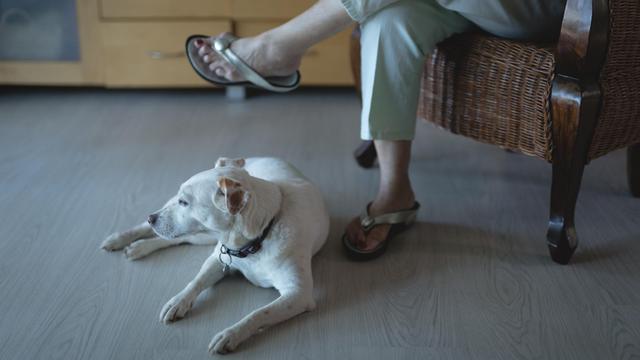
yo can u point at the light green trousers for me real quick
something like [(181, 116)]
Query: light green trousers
[(396, 36)]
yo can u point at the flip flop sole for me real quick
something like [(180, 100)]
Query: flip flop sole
[(283, 83)]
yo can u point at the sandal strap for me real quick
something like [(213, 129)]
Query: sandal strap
[(407, 216), (222, 46)]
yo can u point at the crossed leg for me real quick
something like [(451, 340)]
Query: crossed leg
[(279, 51)]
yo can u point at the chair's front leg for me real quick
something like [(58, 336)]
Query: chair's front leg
[(633, 169), (574, 112), (366, 154)]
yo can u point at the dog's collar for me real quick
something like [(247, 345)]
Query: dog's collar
[(251, 248)]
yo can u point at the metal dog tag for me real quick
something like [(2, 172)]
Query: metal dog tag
[(225, 265)]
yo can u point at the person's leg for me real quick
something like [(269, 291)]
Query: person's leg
[(394, 192), (394, 43)]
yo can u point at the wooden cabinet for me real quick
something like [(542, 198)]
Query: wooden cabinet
[(140, 43)]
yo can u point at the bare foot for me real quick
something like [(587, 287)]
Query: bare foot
[(382, 205), (264, 54)]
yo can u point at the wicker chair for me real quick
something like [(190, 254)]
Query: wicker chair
[(568, 102)]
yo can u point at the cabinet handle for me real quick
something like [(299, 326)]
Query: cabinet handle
[(161, 55), (312, 53)]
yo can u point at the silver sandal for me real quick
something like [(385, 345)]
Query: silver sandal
[(399, 221), (222, 46)]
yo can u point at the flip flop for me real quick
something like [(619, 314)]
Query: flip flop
[(399, 221), (222, 46)]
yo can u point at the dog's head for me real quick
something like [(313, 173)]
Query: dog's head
[(207, 201)]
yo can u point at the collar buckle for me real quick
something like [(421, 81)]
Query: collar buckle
[(251, 248)]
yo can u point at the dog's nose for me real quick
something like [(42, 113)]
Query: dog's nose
[(152, 219)]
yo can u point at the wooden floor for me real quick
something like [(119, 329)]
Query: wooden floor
[(471, 281)]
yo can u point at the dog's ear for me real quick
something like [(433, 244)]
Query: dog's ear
[(223, 161), (235, 197)]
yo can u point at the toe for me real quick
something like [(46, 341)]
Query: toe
[(107, 245), (233, 75), (375, 237), (133, 252), (355, 235), (366, 241), (223, 69), (205, 50), (201, 42), (114, 242), (214, 346), (164, 311), (170, 315), (224, 342)]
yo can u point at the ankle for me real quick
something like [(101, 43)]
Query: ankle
[(394, 200), (396, 188), (279, 47)]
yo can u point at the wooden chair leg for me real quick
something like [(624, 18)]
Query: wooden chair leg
[(574, 113), (633, 169)]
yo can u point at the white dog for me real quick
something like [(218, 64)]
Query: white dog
[(268, 221)]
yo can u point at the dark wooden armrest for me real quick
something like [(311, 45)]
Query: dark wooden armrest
[(583, 39)]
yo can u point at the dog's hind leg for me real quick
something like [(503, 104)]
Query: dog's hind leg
[(119, 240), (295, 298)]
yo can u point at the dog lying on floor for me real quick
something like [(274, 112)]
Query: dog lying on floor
[(268, 222)]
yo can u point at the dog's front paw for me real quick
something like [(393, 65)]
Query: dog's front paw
[(115, 241), (176, 308), (226, 341), (137, 250)]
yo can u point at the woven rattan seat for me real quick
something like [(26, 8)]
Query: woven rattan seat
[(493, 90)]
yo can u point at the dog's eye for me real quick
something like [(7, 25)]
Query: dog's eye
[(219, 192), (182, 202)]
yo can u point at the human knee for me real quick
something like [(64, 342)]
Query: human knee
[(392, 22), (417, 23)]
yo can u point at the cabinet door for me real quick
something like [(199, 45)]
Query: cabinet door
[(164, 8), (152, 53)]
